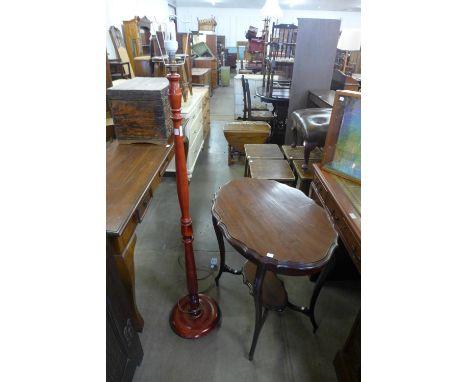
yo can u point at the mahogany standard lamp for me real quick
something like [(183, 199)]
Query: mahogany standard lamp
[(195, 314)]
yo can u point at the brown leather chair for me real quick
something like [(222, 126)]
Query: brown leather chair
[(313, 125)]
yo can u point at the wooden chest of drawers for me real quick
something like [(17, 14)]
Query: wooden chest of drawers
[(206, 113), (140, 110), (196, 118)]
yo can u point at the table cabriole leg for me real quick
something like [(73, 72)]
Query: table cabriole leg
[(259, 314), (222, 254), (318, 287)]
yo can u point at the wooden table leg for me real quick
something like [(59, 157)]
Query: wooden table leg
[(260, 313), (246, 167), (126, 268), (222, 254), (318, 287)]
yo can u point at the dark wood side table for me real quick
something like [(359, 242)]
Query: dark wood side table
[(261, 151), (247, 211), (292, 153), (133, 173), (280, 101)]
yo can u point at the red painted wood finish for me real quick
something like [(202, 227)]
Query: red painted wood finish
[(194, 315)]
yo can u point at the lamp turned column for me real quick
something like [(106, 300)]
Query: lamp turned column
[(195, 314)]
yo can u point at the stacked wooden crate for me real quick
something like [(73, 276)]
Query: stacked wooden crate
[(141, 111)]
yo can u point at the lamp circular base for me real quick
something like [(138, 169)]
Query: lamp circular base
[(188, 326)]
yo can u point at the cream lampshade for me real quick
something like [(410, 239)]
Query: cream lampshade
[(350, 39), (271, 9)]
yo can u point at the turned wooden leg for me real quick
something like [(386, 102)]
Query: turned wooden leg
[(260, 313), (126, 268), (222, 254)]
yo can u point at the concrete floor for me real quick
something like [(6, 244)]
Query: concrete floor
[(287, 349)]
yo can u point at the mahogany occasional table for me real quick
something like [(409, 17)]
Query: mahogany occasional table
[(260, 219)]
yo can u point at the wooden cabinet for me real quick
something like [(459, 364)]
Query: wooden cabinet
[(137, 35), (123, 348), (196, 126), (133, 173)]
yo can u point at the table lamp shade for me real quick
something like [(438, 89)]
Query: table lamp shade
[(350, 39), (271, 9)]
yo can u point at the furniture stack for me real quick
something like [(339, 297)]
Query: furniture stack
[(210, 63)]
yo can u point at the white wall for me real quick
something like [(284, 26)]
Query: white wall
[(119, 10), (234, 22)]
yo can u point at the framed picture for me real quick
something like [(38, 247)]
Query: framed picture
[(342, 152)]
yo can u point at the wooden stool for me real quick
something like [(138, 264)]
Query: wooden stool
[(272, 169), (292, 153), (305, 176), (238, 134), (265, 151)]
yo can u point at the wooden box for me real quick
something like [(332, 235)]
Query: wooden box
[(202, 76), (208, 62), (141, 111), (238, 134)]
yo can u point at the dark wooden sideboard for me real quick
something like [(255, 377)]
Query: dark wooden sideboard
[(133, 174), (123, 347), (342, 200)]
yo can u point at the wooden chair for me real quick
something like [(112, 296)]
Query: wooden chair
[(253, 114), (122, 60)]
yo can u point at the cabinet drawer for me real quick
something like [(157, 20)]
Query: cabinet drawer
[(344, 230), (193, 126), (144, 204), (320, 190), (194, 148)]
